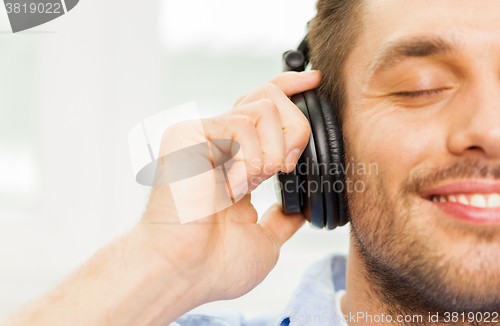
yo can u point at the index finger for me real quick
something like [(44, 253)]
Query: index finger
[(292, 82)]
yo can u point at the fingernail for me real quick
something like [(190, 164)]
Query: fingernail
[(292, 158), (308, 72)]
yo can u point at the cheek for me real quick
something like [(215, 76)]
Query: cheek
[(397, 142)]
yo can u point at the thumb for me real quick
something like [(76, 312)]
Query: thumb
[(280, 227)]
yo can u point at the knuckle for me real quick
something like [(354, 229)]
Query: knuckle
[(303, 130), (244, 121), (221, 122), (268, 89), (254, 166), (268, 105)]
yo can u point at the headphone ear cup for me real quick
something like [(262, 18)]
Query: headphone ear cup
[(324, 205), (318, 129), (313, 199), (335, 142)]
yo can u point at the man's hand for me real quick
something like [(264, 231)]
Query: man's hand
[(227, 254)]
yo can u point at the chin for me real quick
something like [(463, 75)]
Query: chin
[(419, 254), (455, 260)]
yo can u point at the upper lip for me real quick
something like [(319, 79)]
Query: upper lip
[(464, 187)]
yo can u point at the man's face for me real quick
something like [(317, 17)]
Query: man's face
[(423, 102)]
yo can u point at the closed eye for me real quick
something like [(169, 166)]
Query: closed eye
[(419, 93)]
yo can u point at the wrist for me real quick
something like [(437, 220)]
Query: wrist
[(186, 249), (170, 289)]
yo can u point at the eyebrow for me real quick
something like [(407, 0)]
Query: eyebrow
[(395, 52)]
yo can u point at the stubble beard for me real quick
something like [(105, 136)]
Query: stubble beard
[(408, 271)]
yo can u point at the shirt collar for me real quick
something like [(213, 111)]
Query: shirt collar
[(313, 302)]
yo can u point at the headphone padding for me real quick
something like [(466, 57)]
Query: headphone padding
[(313, 200), (335, 142), (318, 128)]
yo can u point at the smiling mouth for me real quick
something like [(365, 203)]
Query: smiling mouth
[(474, 201), (490, 200)]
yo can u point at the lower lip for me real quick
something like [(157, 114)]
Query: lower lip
[(470, 213)]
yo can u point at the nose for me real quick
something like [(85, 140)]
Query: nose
[(475, 121)]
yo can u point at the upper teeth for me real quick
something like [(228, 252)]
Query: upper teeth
[(476, 200)]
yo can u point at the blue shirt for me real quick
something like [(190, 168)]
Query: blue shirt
[(316, 301)]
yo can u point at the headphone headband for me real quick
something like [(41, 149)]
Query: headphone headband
[(297, 60)]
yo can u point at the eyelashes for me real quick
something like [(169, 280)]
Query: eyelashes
[(420, 98), (416, 94)]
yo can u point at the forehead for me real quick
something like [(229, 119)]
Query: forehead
[(469, 25), (410, 16)]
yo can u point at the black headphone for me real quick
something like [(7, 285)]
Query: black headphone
[(316, 186)]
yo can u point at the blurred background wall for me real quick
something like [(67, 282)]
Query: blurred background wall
[(70, 91)]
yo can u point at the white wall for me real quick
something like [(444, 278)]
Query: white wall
[(70, 91)]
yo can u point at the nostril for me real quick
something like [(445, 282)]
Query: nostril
[(475, 149)]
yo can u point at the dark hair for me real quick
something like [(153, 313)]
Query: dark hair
[(332, 35)]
